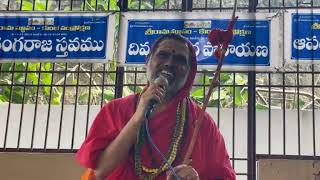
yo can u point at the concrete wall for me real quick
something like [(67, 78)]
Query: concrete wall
[(288, 170), (33, 166)]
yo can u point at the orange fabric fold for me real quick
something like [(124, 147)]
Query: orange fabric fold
[(88, 175)]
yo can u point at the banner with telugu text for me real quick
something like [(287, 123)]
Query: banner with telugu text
[(56, 37), (251, 46), (301, 37)]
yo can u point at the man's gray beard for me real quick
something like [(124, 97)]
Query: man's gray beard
[(169, 88)]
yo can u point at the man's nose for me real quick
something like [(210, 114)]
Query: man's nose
[(170, 61)]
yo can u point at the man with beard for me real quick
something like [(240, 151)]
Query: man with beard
[(117, 148)]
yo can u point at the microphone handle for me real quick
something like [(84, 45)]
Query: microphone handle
[(150, 109)]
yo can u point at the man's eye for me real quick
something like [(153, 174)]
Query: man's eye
[(162, 55), (181, 60)]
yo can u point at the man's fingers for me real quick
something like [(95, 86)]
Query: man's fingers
[(184, 172), (189, 162), (176, 169), (153, 92)]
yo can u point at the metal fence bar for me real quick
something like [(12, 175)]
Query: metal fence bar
[(233, 117), (298, 109), (313, 105), (140, 71), (135, 80), (75, 106), (9, 107), (313, 116), (251, 127), (71, 5), (22, 106), (49, 109), (62, 106), (37, 150), (102, 91), (251, 152), (82, 85), (218, 106), (119, 82), (35, 109), (269, 112), (44, 85), (89, 98), (284, 113)]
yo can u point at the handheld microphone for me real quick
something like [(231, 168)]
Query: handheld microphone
[(162, 82)]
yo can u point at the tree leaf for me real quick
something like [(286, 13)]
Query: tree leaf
[(17, 95), (26, 6), (47, 67), (238, 98), (20, 66), (146, 5), (108, 95), (6, 66), (84, 97), (33, 77), (113, 5), (3, 99), (56, 100), (56, 96), (301, 103), (215, 95), (205, 80), (244, 96), (126, 91), (67, 8), (134, 5), (197, 93), (225, 77), (18, 77), (261, 106), (160, 3), (240, 80), (40, 6), (46, 91)]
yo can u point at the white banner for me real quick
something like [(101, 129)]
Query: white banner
[(255, 45), (73, 37)]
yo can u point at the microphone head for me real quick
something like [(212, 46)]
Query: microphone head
[(162, 82)]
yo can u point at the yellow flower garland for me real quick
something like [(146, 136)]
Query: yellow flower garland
[(153, 172)]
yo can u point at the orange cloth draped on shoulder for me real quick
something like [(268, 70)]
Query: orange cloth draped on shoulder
[(88, 175)]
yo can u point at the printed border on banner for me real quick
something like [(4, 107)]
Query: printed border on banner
[(302, 50), (203, 21), (43, 19)]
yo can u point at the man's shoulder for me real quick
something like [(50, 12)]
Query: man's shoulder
[(207, 118), (121, 102), (196, 107), (125, 99)]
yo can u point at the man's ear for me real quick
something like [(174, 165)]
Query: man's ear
[(148, 58)]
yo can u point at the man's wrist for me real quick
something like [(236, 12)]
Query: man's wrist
[(137, 119)]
